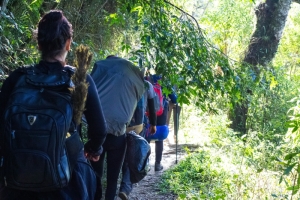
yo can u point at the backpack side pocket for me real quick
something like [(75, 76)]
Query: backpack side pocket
[(74, 146)]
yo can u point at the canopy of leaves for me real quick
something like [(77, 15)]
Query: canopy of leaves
[(154, 34), (173, 44)]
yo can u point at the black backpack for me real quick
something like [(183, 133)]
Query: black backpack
[(137, 156), (37, 119)]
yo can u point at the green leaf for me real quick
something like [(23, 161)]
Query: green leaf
[(137, 9), (140, 62), (295, 191), (288, 170), (298, 179), (280, 161), (148, 38), (290, 156), (113, 15), (281, 179), (259, 170), (295, 129), (290, 188)]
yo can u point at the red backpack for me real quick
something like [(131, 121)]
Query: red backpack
[(158, 100), (159, 107)]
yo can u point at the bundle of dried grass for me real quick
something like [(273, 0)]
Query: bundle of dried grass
[(82, 62)]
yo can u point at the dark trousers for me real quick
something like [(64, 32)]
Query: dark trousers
[(114, 147), (159, 147), (126, 185)]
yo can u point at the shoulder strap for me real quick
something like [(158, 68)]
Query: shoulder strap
[(28, 69), (33, 69), (69, 69), (36, 77)]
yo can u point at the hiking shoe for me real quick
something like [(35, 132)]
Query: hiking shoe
[(158, 167), (123, 195)]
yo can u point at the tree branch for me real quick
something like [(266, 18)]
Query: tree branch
[(90, 20), (199, 29)]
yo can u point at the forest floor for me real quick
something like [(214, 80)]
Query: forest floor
[(148, 188)]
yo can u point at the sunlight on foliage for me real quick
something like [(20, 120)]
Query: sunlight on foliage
[(175, 47), (291, 160), (196, 45), (226, 166)]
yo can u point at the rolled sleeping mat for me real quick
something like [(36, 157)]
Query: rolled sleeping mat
[(161, 133)]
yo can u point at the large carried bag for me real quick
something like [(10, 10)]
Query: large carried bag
[(162, 130), (137, 156), (37, 119), (161, 133)]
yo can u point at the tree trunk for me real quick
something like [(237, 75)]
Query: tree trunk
[(271, 18)]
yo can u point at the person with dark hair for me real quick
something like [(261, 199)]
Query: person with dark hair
[(54, 36), (120, 85)]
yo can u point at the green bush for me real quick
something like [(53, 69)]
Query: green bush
[(197, 177)]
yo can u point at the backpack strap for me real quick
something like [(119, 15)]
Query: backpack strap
[(28, 69), (36, 77), (33, 69), (70, 70)]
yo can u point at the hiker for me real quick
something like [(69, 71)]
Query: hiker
[(172, 107), (120, 85), (54, 37), (159, 145), (137, 125), (161, 121), (172, 99)]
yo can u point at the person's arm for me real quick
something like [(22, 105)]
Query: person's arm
[(152, 111), (96, 122), (6, 90), (151, 107), (7, 87), (152, 115)]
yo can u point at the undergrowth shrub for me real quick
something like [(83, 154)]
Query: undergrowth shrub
[(197, 177), (227, 165), (290, 160)]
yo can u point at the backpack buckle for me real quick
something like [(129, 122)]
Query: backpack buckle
[(30, 71)]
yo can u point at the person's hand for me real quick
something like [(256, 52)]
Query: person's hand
[(91, 157), (91, 154), (152, 129)]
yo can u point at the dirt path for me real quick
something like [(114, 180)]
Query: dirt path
[(148, 187)]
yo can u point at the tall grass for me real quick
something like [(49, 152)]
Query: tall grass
[(226, 166)]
